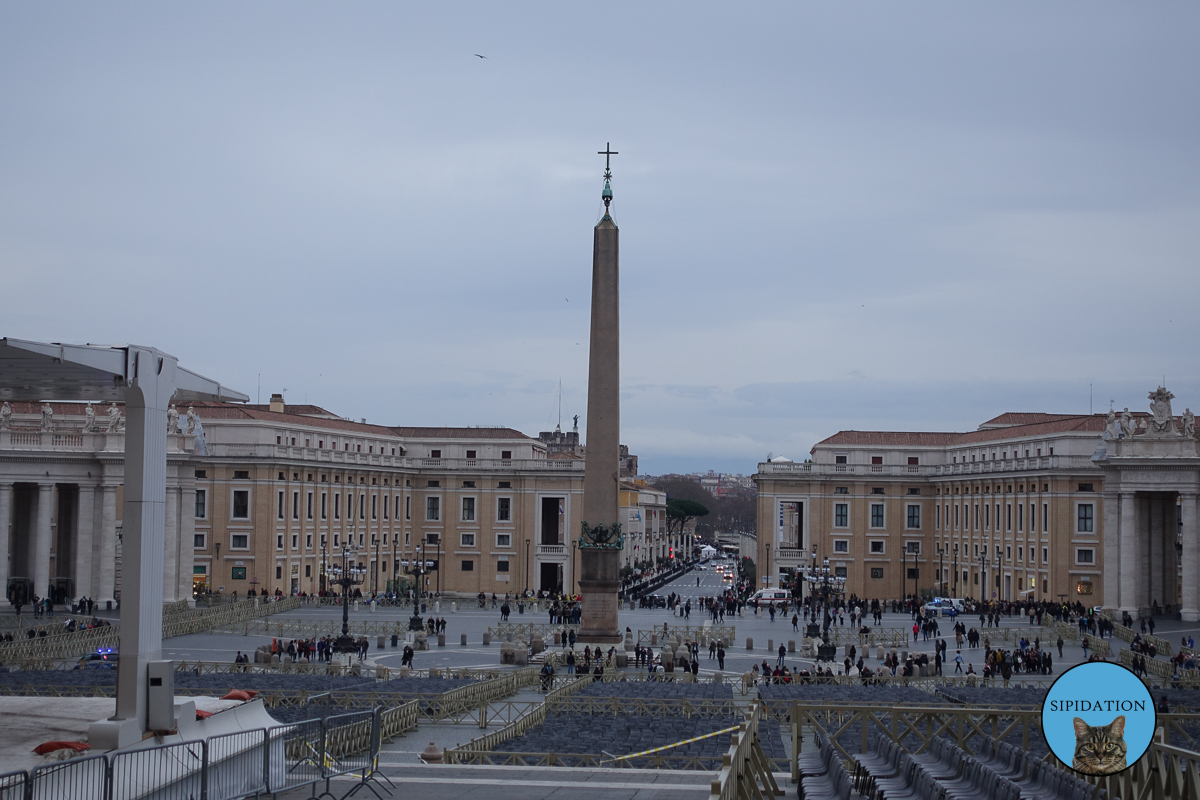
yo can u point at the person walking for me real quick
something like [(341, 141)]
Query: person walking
[(720, 657), (795, 622), (782, 654), (1060, 647), (958, 661)]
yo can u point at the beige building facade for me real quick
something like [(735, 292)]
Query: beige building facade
[(1014, 510), (268, 497)]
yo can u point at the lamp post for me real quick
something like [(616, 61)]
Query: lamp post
[(826, 585), (346, 575), (956, 569), (998, 572), (526, 592), (375, 569), (941, 566), (983, 577)]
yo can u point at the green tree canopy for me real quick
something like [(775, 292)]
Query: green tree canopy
[(681, 512)]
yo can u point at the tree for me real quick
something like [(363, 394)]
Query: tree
[(681, 512)]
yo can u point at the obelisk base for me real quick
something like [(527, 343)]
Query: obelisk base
[(599, 584)]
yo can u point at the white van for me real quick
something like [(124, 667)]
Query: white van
[(765, 596)]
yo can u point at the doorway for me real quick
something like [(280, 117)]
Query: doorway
[(552, 533), (551, 578)]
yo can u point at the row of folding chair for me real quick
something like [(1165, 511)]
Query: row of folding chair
[(945, 772), (822, 775)]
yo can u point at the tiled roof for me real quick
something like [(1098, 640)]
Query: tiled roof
[(890, 438), (1024, 418), (302, 410), (1049, 424), (214, 410), (459, 433), (565, 456)]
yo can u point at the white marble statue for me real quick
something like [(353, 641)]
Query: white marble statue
[(1126, 423), (1160, 407), (114, 419), (1189, 423), (172, 420), (5, 416), (47, 417), (1111, 428), (191, 421), (199, 444), (89, 417)]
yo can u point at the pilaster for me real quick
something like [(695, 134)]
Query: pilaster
[(1191, 558), (39, 554), (84, 528), (5, 537)]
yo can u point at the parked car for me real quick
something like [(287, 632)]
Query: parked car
[(944, 606)]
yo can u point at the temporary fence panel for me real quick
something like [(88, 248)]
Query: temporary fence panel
[(296, 755), (236, 764), (165, 772), (77, 779)]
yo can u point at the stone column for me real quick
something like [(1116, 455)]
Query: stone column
[(1191, 560), (1130, 560), (5, 546), (104, 570), (39, 554), (171, 546), (1154, 576), (1111, 550), (84, 525)]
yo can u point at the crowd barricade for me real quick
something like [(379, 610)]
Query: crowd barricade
[(744, 769), (726, 634), (225, 767), (1125, 633)]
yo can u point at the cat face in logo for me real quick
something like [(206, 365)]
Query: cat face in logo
[(1099, 749)]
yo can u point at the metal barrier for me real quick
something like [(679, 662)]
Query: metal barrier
[(1126, 634), (745, 772), (887, 637), (688, 633), (225, 767), (1163, 773), (13, 785), (1166, 671)]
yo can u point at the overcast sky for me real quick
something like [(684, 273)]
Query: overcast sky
[(892, 216)]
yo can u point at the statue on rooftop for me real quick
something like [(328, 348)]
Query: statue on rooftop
[(1189, 423), (172, 420), (114, 419), (47, 417), (191, 421), (89, 417), (1126, 423), (5, 416), (1111, 428)]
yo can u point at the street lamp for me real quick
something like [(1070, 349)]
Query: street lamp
[(998, 572), (526, 567), (346, 575), (828, 586), (956, 569), (983, 576), (941, 566)]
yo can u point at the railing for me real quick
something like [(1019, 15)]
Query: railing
[(846, 469), (551, 549), (1127, 634), (1167, 671), (886, 637), (344, 457), (745, 772), (1163, 773), (225, 767), (688, 633)]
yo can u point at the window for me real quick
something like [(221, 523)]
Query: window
[(241, 504), (374, 506), (506, 455), (876, 572), (1008, 553), (1045, 517), (841, 515), (433, 483), (914, 517), (937, 523), (468, 565), (1008, 516), (337, 505), (1086, 487), (239, 541), (198, 541), (839, 459), (308, 541), (876, 459), (468, 509), (841, 546), (362, 506), (914, 573), (1086, 523), (310, 505), (241, 474), (238, 574), (1045, 555), (504, 485), (1021, 553), (913, 461), (504, 540), (913, 548), (435, 453), (876, 545), (502, 565), (201, 497), (408, 508), (433, 508), (324, 511), (468, 484), (1085, 555), (877, 515), (877, 490), (295, 505), (471, 454), (842, 490), (839, 572), (504, 509), (278, 568), (200, 473), (279, 506), (987, 517), (279, 541), (914, 490), (295, 542)]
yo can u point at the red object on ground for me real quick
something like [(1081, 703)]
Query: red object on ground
[(50, 747), (202, 714), (240, 694)]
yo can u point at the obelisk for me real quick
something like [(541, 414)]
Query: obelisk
[(601, 540)]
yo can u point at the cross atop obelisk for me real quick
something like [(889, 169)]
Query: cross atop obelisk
[(601, 541)]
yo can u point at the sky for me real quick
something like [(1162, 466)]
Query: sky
[(869, 215)]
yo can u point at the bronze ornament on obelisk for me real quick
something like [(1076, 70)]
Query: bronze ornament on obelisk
[(601, 541)]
